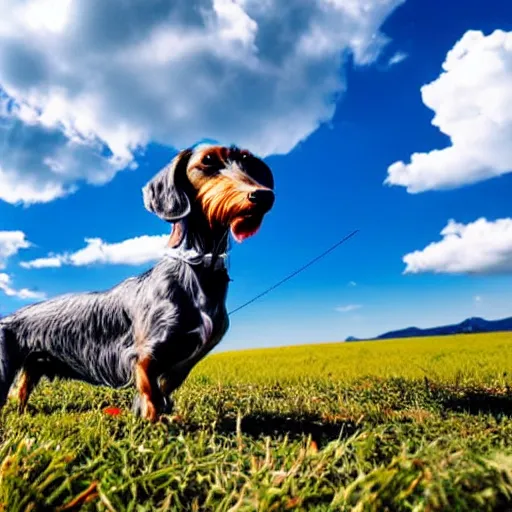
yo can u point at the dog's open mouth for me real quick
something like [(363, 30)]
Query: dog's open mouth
[(245, 226)]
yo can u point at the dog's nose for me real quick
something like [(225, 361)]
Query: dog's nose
[(262, 198)]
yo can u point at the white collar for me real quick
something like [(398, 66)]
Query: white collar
[(193, 257)]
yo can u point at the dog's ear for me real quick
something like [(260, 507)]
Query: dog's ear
[(165, 194)]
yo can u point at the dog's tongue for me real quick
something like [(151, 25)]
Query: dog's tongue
[(240, 236), (245, 227)]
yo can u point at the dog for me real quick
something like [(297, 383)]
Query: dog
[(150, 330)]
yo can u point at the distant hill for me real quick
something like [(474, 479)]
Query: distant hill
[(470, 325)]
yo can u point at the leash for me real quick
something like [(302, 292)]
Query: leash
[(293, 274)]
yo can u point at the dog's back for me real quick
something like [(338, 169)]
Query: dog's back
[(86, 336)]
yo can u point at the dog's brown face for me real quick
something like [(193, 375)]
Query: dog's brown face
[(231, 187)]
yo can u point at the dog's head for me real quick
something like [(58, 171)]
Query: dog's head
[(231, 187)]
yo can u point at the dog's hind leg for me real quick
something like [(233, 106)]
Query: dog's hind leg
[(32, 371), (29, 378), (10, 362)]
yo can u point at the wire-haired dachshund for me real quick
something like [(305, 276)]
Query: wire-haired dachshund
[(150, 330)]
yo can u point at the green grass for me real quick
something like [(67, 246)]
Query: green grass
[(420, 424)]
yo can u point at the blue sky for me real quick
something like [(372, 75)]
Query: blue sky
[(328, 92)]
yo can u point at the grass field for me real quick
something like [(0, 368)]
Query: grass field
[(421, 424)]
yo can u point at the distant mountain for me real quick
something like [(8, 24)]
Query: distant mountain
[(470, 325)]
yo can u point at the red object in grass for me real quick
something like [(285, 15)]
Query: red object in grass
[(112, 411)]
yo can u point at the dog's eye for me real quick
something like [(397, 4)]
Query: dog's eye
[(211, 163)]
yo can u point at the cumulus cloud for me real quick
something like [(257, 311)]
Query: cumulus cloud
[(348, 308), (39, 163), (471, 101), (480, 247), (24, 293), (10, 243), (133, 251), (85, 84), (46, 262)]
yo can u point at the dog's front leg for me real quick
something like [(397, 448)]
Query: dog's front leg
[(170, 383), (147, 403), (166, 389)]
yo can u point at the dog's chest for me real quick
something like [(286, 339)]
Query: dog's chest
[(213, 326), (201, 340), (212, 322)]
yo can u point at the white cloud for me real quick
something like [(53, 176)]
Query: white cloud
[(24, 293), (348, 308), (477, 299), (480, 247), (133, 251), (352, 283), (47, 262), (396, 58), (10, 243), (39, 163), (471, 100), (85, 83)]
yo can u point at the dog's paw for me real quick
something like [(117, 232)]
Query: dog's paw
[(137, 406), (143, 408)]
